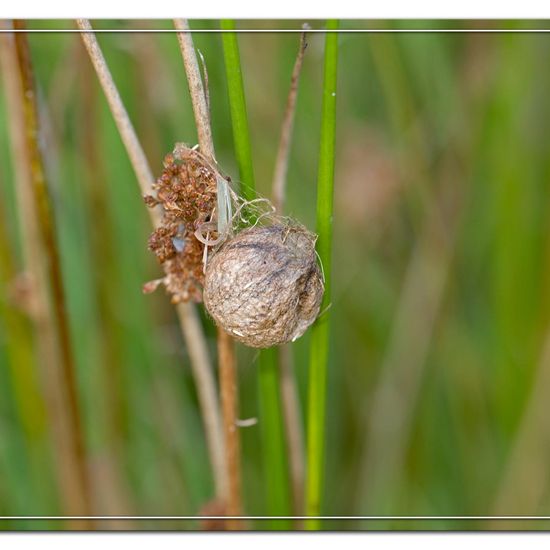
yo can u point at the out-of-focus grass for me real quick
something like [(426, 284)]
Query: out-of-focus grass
[(403, 104)]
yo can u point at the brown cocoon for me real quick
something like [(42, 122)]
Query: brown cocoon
[(264, 286)]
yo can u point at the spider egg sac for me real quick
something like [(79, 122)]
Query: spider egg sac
[(264, 285)]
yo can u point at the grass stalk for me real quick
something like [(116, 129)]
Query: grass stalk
[(271, 417), (226, 348), (19, 346), (287, 380), (320, 332), (274, 448), (43, 261), (44, 212), (28, 399), (237, 106), (123, 123), (189, 321), (19, 340), (196, 89), (283, 152), (229, 401)]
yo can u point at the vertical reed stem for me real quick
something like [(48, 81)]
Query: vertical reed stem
[(237, 106), (229, 399), (189, 322), (80, 501), (287, 380), (320, 332), (281, 162), (275, 465), (196, 89), (123, 123), (226, 351)]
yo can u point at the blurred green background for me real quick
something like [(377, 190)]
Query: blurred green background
[(438, 379)]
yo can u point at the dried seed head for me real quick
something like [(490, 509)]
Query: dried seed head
[(264, 285), (186, 192)]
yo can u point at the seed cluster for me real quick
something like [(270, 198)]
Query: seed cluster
[(186, 191)]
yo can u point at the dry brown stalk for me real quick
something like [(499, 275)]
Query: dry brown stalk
[(226, 352), (281, 163), (43, 263), (196, 89), (289, 392), (122, 120), (228, 385), (190, 324)]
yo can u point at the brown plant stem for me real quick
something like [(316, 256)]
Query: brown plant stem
[(287, 380), (196, 89), (228, 385), (20, 362), (125, 128), (46, 224), (189, 321), (283, 152), (226, 352), (43, 261)]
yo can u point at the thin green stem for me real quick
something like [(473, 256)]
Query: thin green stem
[(320, 332), (271, 417), (237, 105), (276, 471)]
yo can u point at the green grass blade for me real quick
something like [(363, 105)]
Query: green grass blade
[(275, 463), (320, 331), (237, 105)]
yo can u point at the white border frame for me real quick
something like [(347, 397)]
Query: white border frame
[(310, 31)]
